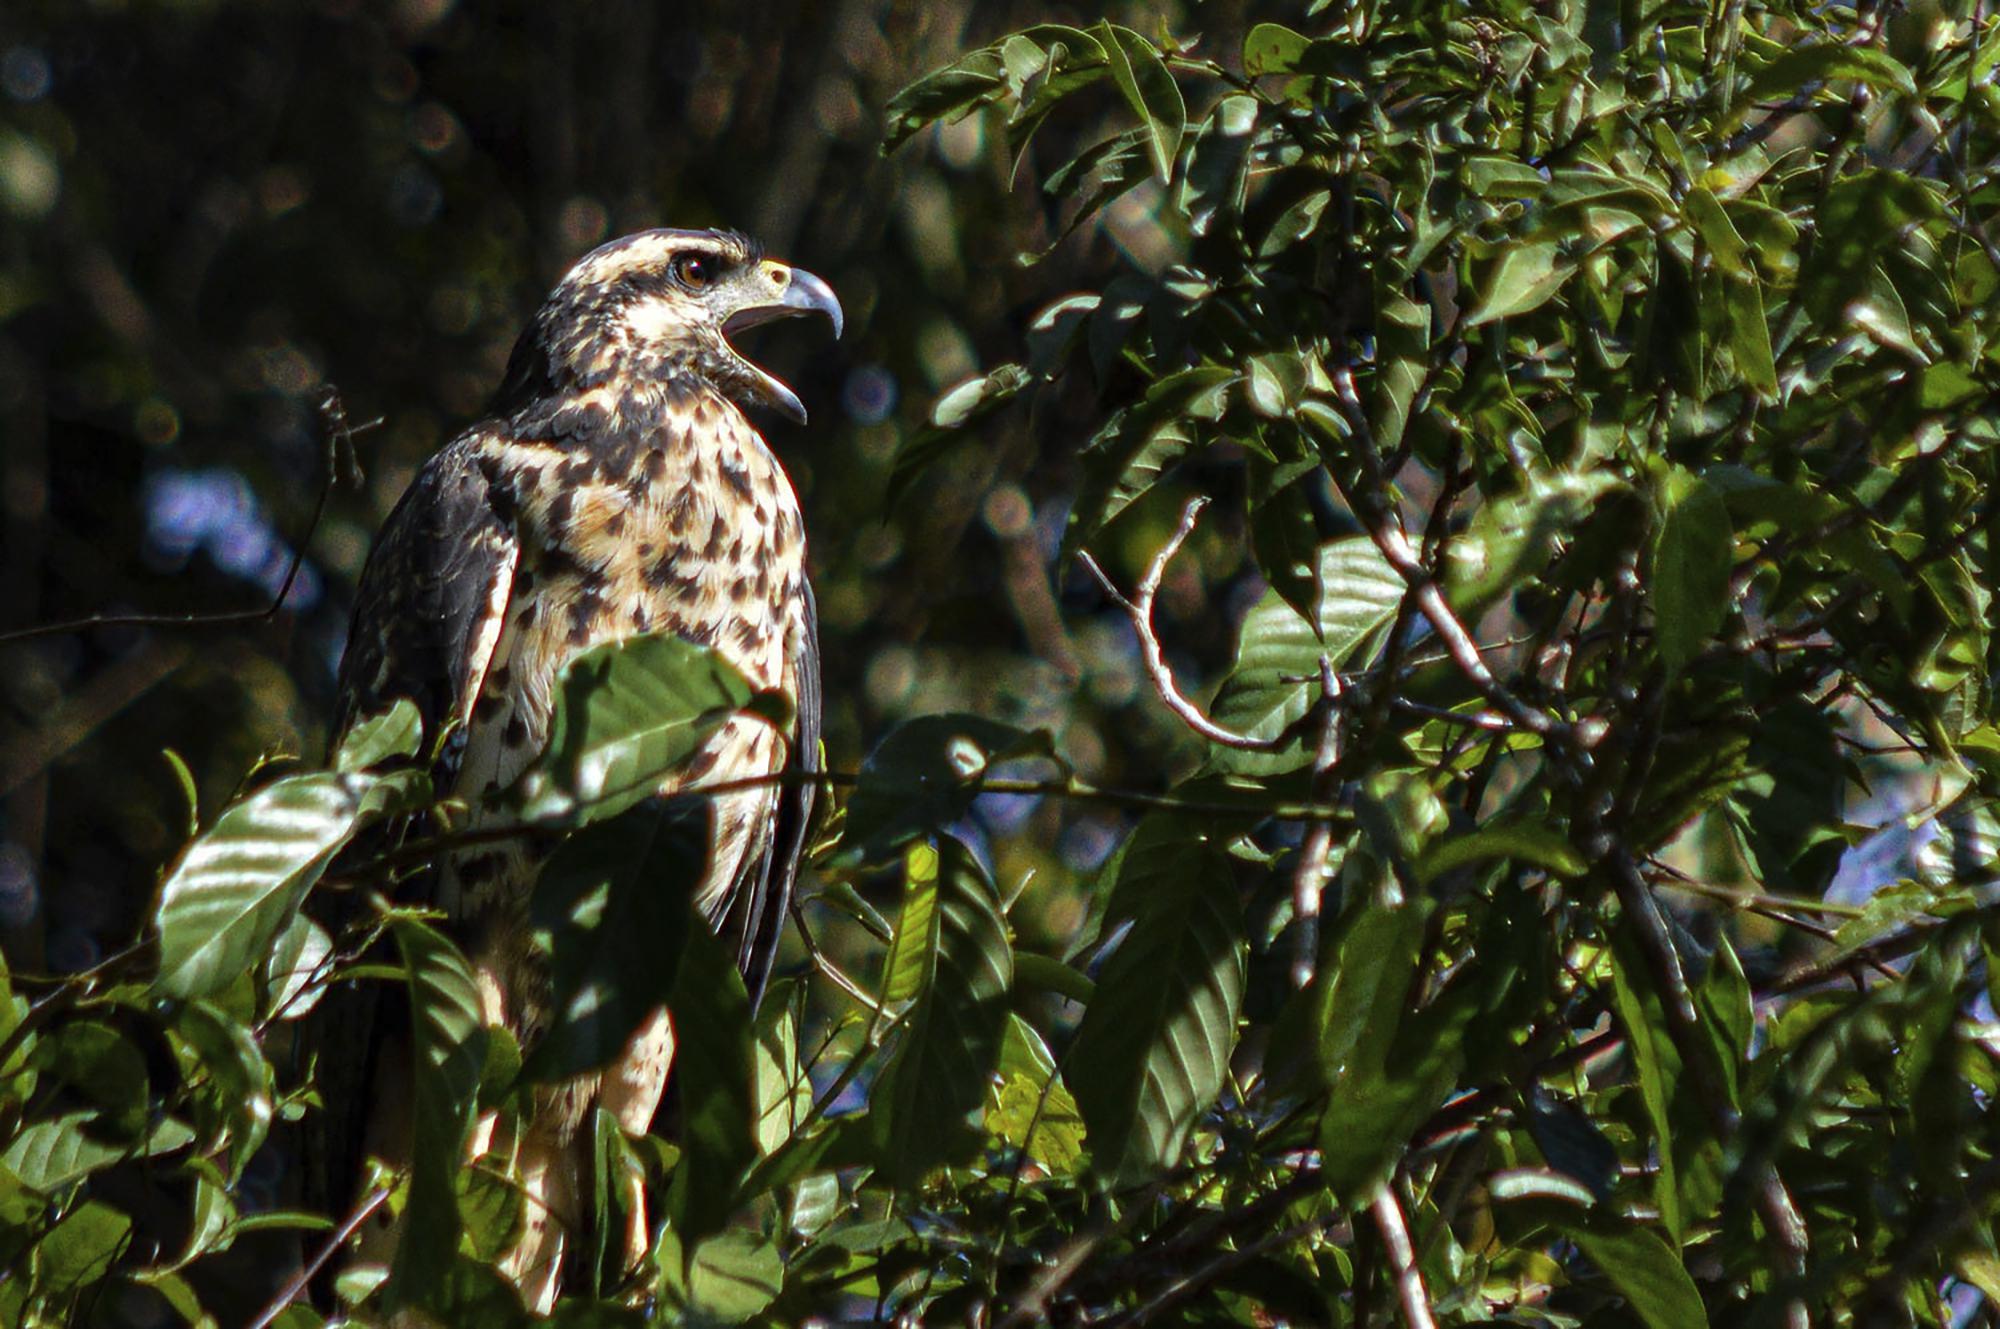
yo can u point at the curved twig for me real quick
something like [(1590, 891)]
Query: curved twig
[(1139, 608)]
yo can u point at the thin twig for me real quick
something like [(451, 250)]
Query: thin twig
[(1139, 608), (340, 447), (1386, 530), (1309, 881), (290, 1292), (1388, 1215)]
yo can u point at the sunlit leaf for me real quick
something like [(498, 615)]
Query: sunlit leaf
[(1149, 90), (239, 885)]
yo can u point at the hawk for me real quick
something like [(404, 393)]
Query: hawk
[(615, 487)]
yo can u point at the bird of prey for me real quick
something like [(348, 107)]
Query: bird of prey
[(614, 488)]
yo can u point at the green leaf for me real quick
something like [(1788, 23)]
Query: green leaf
[(1272, 48), (103, 1067), (611, 911), (1153, 1048), (80, 1250), (396, 732), (238, 1073), (1749, 338), (717, 1073), (490, 1205), (447, 1048), (1275, 680), (784, 1090), (1030, 1107), (947, 93), (965, 405), (297, 969), (1858, 220), (1525, 842), (961, 968), (1140, 444), (238, 886), (1802, 66), (626, 713), (924, 775), (1711, 222), (733, 1277), (1693, 554), (1149, 89), (1524, 279), (1657, 1066), (1284, 533), (56, 1151), (1643, 1267), (1402, 339), (1511, 539), (1217, 164)]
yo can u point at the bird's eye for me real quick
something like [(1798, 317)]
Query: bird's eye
[(694, 271)]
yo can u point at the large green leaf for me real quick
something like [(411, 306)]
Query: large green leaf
[(952, 957), (238, 886), (1512, 538), (1275, 679), (1154, 1045), (612, 910), (626, 713), (447, 1047)]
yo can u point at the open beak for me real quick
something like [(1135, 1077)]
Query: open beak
[(791, 292)]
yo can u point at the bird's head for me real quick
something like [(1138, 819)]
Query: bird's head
[(664, 302)]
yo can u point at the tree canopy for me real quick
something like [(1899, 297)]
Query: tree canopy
[(1449, 778)]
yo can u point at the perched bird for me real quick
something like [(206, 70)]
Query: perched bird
[(615, 487)]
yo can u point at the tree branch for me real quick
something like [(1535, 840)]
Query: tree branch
[(1388, 1215), (1139, 608)]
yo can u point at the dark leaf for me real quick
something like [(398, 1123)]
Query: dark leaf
[(612, 910), (1155, 1041), (952, 958)]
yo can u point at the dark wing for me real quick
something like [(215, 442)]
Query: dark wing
[(426, 618), (430, 605), (756, 916)]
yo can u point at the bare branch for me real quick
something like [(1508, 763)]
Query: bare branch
[(1139, 608), (1388, 1215)]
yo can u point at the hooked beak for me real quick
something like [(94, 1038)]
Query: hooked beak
[(783, 292)]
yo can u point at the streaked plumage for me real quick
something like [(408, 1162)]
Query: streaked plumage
[(615, 488)]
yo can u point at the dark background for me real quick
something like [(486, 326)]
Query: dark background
[(209, 210)]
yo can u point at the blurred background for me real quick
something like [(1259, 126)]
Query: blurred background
[(210, 210)]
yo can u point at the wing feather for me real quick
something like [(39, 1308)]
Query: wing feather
[(427, 615), (757, 915)]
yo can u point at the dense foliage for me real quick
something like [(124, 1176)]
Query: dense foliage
[(1574, 904)]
